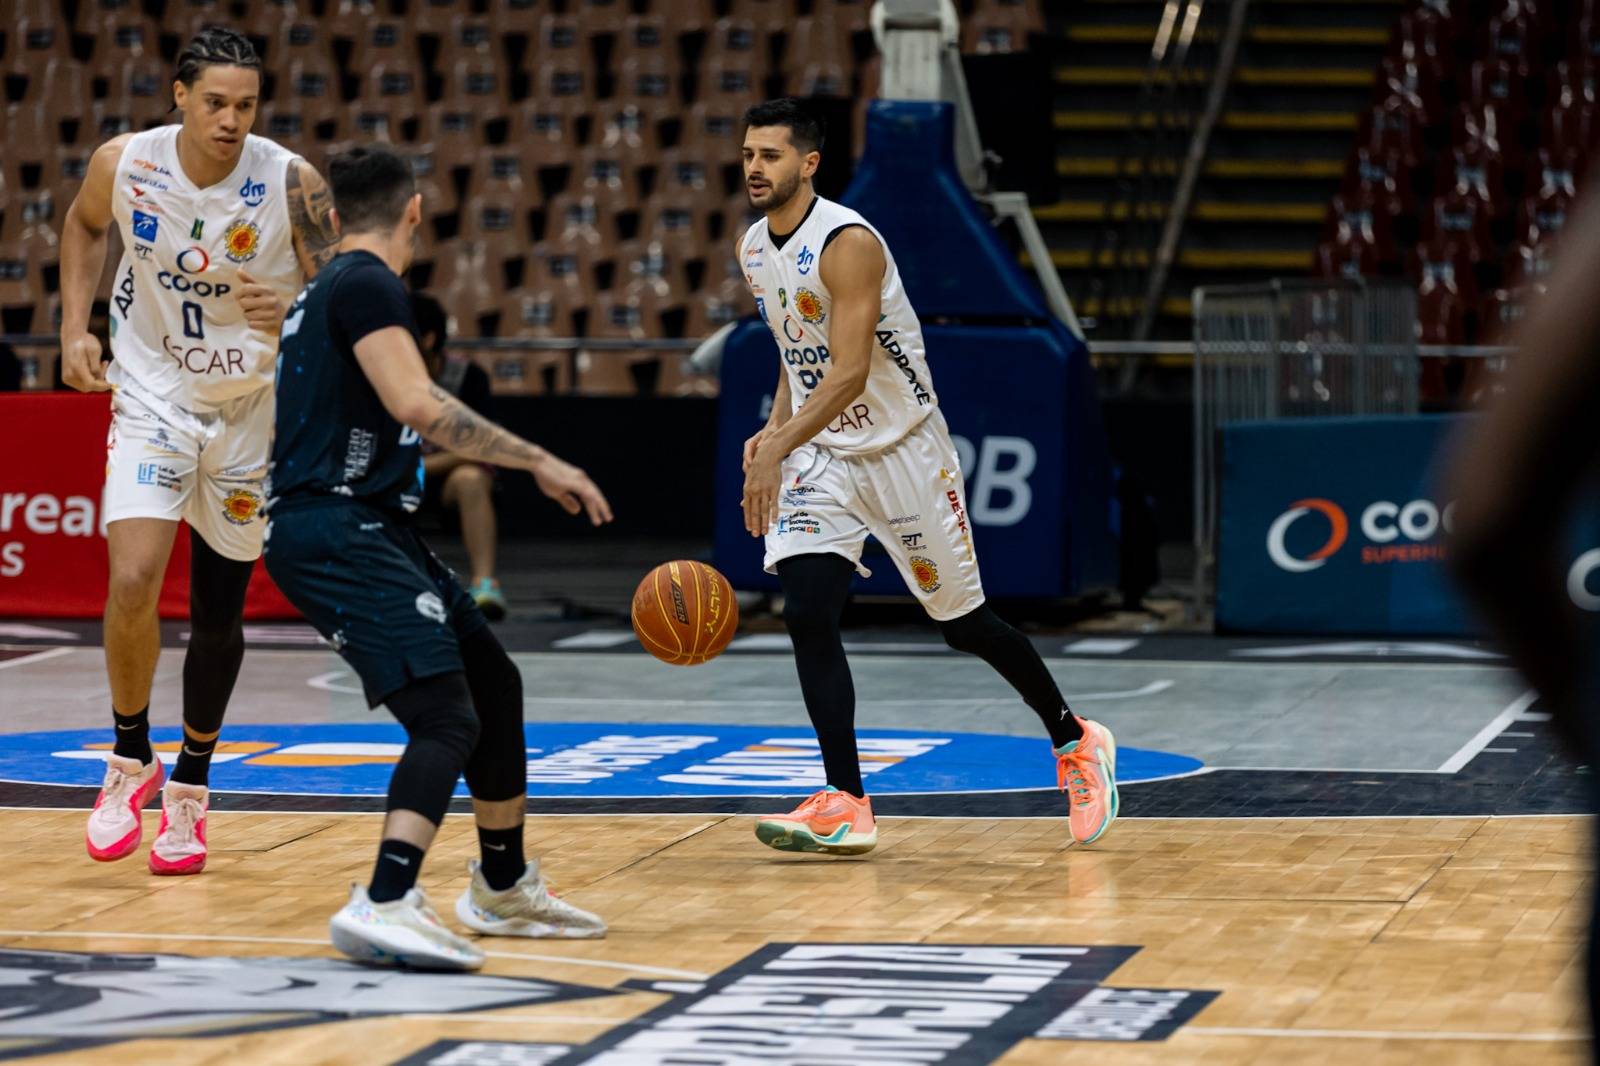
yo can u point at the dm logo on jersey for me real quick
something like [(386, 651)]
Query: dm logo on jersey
[(253, 192), (803, 263), (241, 506), (809, 305), (926, 571), (241, 240), (144, 226)]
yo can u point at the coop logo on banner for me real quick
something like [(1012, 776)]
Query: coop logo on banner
[(590, 759), (1311, 531)]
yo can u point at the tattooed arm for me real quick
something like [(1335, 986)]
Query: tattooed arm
[(311, 219), (390, 360)]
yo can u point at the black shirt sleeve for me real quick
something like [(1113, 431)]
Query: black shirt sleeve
[(366, 298), (475, 389)]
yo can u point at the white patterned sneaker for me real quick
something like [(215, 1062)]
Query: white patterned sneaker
[(402, 932), (527, 908), (115, 828)]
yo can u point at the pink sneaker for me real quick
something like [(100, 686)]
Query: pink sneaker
[(1086, 770), (114, 827), (180, 845), (830, 821)]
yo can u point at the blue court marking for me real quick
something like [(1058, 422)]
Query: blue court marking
[(591, 759)]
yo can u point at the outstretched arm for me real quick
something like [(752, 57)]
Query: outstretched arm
[(390, 360)]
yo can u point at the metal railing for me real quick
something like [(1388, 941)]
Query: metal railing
[(1149, 163), (1292, 349)]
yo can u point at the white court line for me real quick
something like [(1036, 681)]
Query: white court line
[(1380, 1034), (36, 657), (330, 682), (603, 964), (1495, 727), (908, 817)]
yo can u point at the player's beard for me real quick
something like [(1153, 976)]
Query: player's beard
[(780, 196)]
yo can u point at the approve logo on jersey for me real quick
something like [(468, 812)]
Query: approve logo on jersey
[(241, 240)]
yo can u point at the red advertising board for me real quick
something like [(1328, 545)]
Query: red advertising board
[(52, 546)]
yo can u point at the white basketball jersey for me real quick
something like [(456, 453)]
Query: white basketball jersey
[(797, 307), (177, 332)]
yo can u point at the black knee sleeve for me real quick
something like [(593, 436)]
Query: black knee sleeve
[(443, 731), (976, 631), (985, 634), (815, 588), (498, 767), (216, 646)]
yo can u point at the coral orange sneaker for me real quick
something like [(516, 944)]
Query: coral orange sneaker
[(1086, 770), (832, 822)]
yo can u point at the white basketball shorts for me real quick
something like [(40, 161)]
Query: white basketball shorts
[(910, 496), (207, 469)]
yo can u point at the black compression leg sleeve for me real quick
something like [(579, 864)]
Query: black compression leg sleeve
[(815, 588), (442, 730), (216, 647), (498, 767), (984, 634)]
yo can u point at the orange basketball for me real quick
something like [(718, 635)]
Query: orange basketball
[(684, 613)]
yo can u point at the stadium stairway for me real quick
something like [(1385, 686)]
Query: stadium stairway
[(1304, 71)]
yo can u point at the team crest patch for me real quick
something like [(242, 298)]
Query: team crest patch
[(240, 506), (926, 571), (809, 306), (241, 241)]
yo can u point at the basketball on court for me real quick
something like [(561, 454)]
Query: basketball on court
[(684, 613)]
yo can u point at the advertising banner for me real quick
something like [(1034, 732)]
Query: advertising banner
[(1339, 525), (52, 543)]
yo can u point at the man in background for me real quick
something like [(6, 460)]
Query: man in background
[(455, 481), (1518, 480)]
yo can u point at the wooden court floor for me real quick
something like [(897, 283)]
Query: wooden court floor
[(1408, 940)]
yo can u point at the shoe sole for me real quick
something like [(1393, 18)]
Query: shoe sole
[(787, 836), (362, 947), (130, 843), (1110, 774), (467, 914), (182, 868)]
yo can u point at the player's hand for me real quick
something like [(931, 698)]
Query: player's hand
[(750, 447), (571, 488), (262, 306), (81, 366), (761, 476)]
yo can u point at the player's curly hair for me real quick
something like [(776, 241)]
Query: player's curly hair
[(216, 46)]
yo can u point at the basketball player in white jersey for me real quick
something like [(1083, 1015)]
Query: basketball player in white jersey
[(219, 230), (856, 445)]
